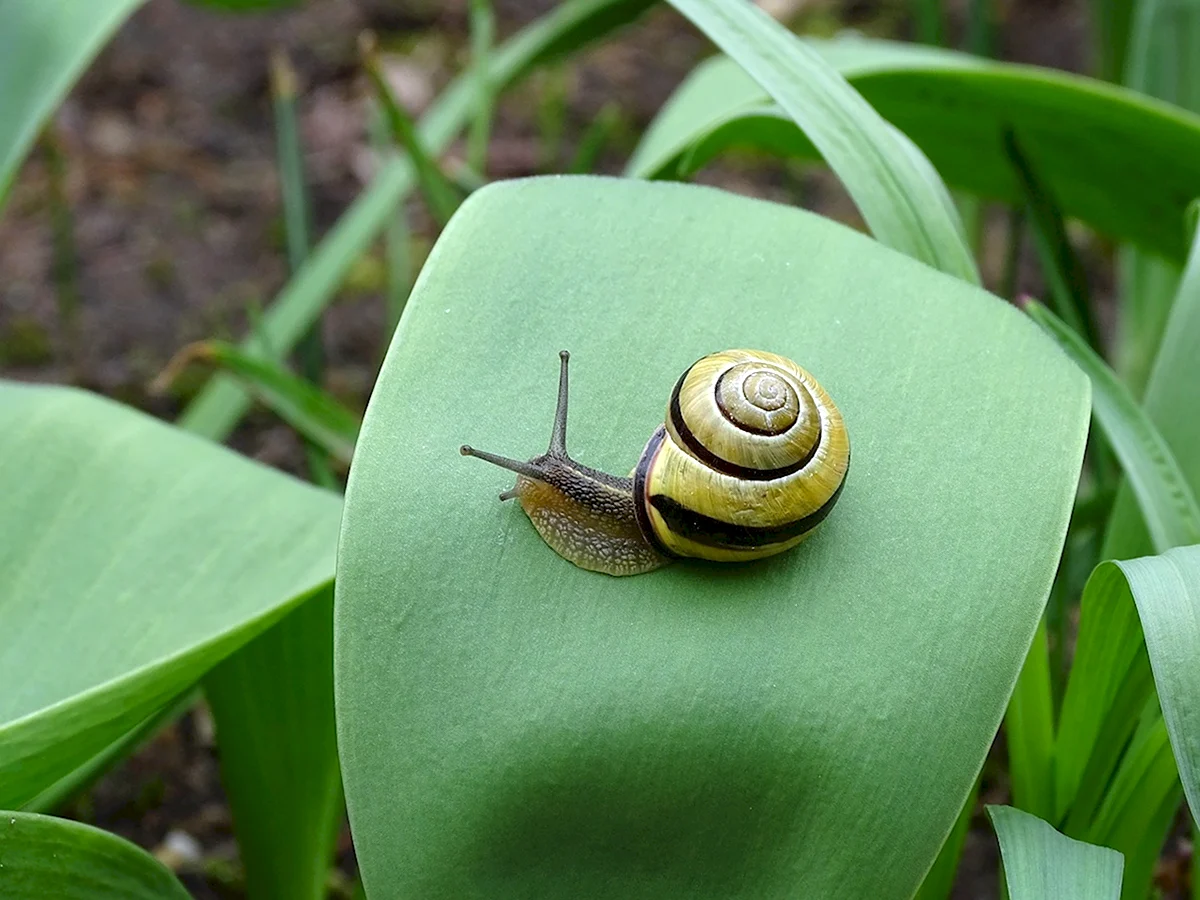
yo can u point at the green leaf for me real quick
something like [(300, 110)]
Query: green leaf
[(1170, 402), (1166, 590), (217, 409), (442, 197), (1061, 267), (308, 409), (44, 47), (939, 880), (1029, 726), (1163, 493), (1134, 184), (512, 726), (1163, 47), (1041, 864), (272, 703), (133, 558), (895, 188), (1127, 798), (44, 857)]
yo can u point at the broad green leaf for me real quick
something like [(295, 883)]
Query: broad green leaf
[(895, 188), (133, 558), (1041, 864), (312, 412), (44, 47), (223, 402), (1163, 494), (1163, 48), (272, 703), (1125, 164), (43, 857), (511, 725)]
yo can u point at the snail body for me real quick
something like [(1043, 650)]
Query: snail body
[(751, 458)]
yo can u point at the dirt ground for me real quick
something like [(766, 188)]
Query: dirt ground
[(173, 233)]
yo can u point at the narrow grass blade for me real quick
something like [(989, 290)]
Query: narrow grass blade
[(1042, 864), (441, 195), (899, 194), (599, 133), (1162, 491), (43, 857), (217, 409), (939, 880), (1060, 265), (483, 36), (1139, 807), (308, 409), (1029, 726), (1110, 36), (272, 703), (44, 47)]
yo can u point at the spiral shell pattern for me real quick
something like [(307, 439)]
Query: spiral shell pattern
[(752, 457)]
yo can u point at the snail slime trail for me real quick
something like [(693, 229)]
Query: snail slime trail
[(750, 459)]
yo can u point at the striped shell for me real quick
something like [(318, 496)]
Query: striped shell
[(751, 459)]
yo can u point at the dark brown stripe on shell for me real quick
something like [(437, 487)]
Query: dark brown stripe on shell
[(640, 514), (702, 529), (692, 443)]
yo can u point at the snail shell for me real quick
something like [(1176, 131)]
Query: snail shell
[(751, 458)]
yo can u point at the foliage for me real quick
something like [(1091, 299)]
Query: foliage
[(508, 725)]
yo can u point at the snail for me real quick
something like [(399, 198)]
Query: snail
[(751, 458)]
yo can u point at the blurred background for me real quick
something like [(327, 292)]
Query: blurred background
[(149, 216)]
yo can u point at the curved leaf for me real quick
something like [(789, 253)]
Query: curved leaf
[(898, 193), (1123, 163), (42, 857), (133, 558), (1041, 864), (44, 47), (512, 726)]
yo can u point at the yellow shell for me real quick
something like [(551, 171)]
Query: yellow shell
[(752, 457)]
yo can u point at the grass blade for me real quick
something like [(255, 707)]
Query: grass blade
[(899, 194), (1029, 725), (1042, 864), (217, 409), (308, 409), (483, 36), (42, 857), (1163, 493), (1060, 265), (441, 195)]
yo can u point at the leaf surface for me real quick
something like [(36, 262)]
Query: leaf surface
[(513, 726)]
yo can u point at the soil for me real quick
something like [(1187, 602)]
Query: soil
[(169, 230)]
